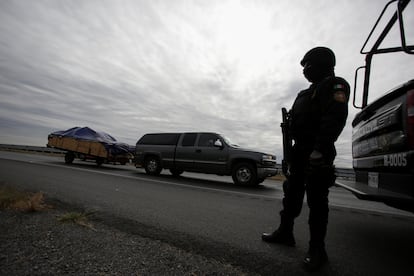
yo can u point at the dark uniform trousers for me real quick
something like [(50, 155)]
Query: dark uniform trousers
[(315, 181)]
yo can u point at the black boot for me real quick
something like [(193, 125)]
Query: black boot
[(315, 258), (280, 236)]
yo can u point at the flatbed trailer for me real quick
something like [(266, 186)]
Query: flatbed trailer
[(87, 149)]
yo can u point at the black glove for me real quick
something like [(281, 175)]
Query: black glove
[(318, 168), (316, 159)]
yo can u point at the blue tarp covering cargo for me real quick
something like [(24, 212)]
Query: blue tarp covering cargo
[(85, 133)]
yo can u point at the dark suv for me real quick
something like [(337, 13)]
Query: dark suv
[(203, 152)]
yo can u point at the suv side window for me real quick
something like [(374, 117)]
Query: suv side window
[(159, 139), (189, 139), (207, 140)]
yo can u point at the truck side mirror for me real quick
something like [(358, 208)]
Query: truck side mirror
[(218, 144)]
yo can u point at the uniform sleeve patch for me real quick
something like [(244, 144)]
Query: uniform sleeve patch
[(340, 96)]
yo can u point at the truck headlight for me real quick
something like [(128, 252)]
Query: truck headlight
[(268, 159)]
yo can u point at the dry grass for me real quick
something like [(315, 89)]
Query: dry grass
[(77, 218), (13, 199)]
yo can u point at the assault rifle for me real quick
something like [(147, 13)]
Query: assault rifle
[(287, 142)]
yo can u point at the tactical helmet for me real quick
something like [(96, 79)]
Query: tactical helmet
[(319, 56)]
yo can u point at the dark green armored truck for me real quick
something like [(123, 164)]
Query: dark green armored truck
[(383, 131)]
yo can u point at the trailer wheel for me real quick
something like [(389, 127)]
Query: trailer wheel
[(69, 157), (100, 161), (152, 165), (244, 174)]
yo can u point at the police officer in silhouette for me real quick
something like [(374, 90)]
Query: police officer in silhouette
[(318, 116)]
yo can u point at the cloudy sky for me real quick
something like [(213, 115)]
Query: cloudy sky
[(132, 67)]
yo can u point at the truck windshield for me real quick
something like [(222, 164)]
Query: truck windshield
[(230, 142)]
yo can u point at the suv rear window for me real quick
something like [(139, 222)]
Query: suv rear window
[(159, 139)]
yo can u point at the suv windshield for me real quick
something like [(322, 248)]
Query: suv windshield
[(230, 142)]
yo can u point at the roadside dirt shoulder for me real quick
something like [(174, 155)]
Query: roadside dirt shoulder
[(41, 243)]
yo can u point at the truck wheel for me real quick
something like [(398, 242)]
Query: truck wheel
[(152, 165), (69, 157), (176, 172), (244, 174)]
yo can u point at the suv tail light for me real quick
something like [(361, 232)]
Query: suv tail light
[(410, 118)]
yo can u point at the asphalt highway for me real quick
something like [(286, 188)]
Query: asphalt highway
[(209, 215)]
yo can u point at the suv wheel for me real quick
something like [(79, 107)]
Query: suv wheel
[(152, 165), (244, 174)]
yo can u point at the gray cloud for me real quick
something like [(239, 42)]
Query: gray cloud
[(132, 67)]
